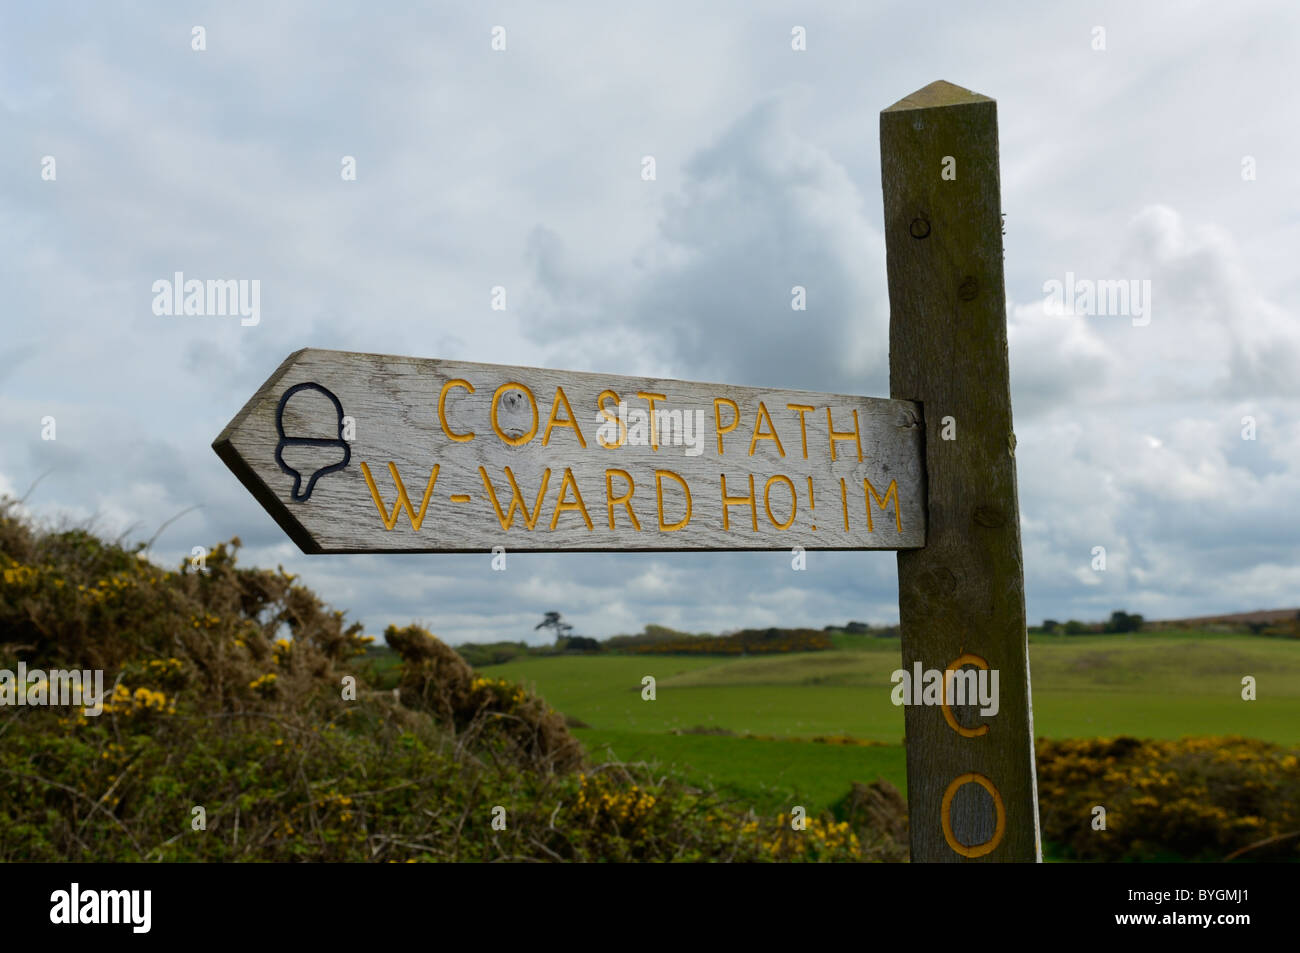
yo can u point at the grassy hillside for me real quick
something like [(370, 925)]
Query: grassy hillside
[(1164, 685), (1161, 685), (764, 774)]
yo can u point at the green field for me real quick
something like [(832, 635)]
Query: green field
[(1160, 685)]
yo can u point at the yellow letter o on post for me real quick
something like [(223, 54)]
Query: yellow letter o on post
[(967, 659), (945, 814)]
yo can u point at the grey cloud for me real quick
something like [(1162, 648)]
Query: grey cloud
[(477, 169)]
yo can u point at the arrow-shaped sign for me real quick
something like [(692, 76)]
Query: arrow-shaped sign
[(370, 453)]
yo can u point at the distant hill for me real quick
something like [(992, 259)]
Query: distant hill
[(1258, 617)]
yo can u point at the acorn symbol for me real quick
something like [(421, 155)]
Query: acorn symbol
[(323, 443)]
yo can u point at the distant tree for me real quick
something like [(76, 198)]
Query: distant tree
[(1050, 626), (1075, 627), (581, 643), (857, 628), (1121, 621), (557, 624)]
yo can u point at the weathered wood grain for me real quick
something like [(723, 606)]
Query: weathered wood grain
[(964, 592), (553, 439)]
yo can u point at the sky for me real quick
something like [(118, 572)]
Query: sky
[(1139, 142)]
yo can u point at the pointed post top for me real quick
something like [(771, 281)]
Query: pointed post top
[(938, 93)]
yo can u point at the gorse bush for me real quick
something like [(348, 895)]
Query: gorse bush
[(436, 679), (243, 722), (651, 820), (1194, 799)]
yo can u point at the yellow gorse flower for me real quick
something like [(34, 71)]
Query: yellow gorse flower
[(265, 681), (143, 700)]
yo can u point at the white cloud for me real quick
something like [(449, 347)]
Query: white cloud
[(522, 169)]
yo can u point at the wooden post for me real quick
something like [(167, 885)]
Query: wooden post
[(972, 793)]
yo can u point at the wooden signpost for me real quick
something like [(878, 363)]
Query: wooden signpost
[(449, 456), (355, 453), (971, 783)]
